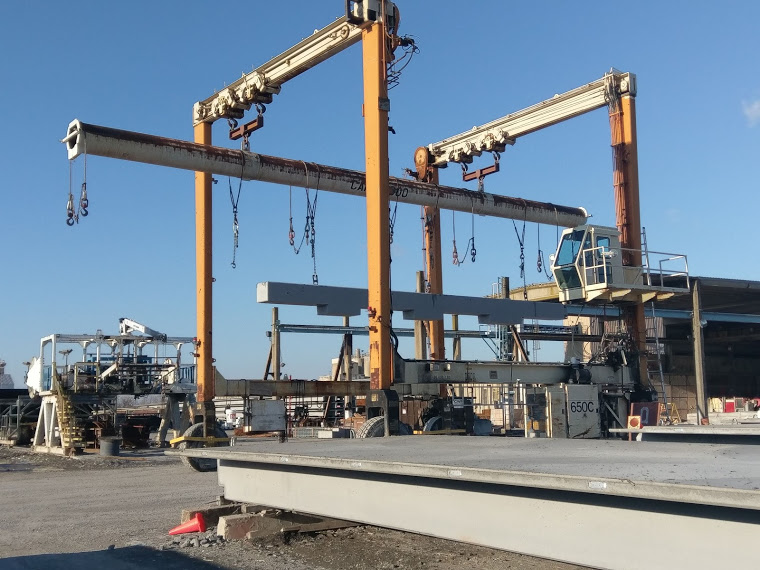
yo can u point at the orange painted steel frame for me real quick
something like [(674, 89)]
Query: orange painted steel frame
[(374, 47), (627, 210), (434, 264), (203, 279)]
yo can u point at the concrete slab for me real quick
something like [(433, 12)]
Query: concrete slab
[(689, 497), (721, 466)]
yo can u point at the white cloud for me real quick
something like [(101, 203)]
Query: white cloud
[(752, 111)]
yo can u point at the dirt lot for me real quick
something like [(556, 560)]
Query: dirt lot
[(91, 511)]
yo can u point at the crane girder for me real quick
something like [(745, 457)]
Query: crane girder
[(494, 136), (259, 85)]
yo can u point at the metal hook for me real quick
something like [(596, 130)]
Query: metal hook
[(84, 203)]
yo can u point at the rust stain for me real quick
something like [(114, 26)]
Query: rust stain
[(398, 188)]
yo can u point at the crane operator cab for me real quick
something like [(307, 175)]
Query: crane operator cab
[(590, 266)]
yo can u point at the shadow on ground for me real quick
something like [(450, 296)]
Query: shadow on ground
[(130, 558)]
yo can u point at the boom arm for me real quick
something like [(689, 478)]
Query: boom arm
[(262, 83), (127, 326), (494, 136)]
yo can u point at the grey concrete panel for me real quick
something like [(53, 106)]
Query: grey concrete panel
[(711, 466), (583, 529), (350, 301), (564, 499)]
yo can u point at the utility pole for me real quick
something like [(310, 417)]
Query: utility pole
[(699, 351)]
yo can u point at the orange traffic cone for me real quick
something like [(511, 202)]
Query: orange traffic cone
[(195, 524)]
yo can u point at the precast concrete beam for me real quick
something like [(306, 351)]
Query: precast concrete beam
[(349, 301), (95, 140), (283, 388), (574, 499)]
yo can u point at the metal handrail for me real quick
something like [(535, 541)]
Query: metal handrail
[(600, 256)]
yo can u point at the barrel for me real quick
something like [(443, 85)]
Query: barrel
[(109, 445)]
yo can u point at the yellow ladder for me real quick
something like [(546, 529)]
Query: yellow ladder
[(675, 417), (72, 436)]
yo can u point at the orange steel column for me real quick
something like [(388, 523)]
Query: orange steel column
[(627, 210), (434, 272), (203, 277), (378, 237)]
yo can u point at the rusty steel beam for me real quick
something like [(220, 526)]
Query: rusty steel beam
[(150, 149)]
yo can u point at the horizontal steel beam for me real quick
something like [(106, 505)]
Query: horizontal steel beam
[(485, 333), (505, 372), (95, 140), (350, 301), (364, 331)]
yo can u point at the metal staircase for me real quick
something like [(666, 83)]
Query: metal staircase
[(71, 433), (664, 407)]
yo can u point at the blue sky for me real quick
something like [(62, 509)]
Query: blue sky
[(141, 65)]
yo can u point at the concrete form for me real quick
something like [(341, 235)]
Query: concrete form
[(577, 501)]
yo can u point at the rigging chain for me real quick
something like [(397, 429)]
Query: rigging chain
[(310, 232), (540, 262), (521, 241), (392, 220), (471, 250), (235, 200), (72, 216)]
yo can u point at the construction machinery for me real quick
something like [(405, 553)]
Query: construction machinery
[(78, 400), (375, 23)]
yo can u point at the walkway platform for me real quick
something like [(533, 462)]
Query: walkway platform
[(605, 504)]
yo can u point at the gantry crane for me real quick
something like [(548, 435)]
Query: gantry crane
[(615, 90), (372, 21), (378, 22)]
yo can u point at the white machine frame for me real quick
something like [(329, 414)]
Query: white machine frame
[(588, 266)]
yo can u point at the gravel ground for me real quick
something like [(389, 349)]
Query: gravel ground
[(91, 511)]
